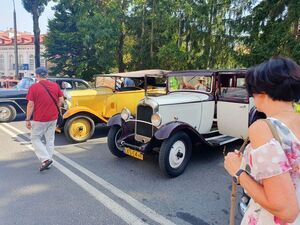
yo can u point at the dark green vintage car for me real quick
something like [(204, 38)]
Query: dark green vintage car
[(13, 101)]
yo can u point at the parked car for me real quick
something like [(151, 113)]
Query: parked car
[(297, 107), (87, 108), (13, 101), (175, 123)]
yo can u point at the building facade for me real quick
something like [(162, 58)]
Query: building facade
[(25, 53)]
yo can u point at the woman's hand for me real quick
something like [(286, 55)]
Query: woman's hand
[(232, 162)]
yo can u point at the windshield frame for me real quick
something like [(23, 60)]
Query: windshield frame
[(192, 90)]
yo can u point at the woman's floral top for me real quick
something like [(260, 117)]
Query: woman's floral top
[(268, 160)]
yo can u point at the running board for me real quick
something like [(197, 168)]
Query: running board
[(220, 140)]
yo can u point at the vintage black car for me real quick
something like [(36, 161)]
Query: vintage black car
[(13, 101)]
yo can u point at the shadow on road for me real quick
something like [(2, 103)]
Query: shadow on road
[(100, 132)]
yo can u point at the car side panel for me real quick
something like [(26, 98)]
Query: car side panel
[(207, 116), (81, 109), (129, 99), (190, 113), (94, 100), (110, 107)]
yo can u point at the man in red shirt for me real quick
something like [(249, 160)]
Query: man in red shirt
[(44, 99)]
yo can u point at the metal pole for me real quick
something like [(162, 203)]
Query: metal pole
[(16, 43)]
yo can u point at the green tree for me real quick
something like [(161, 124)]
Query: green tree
[(36, 8), (271, 29), (82, 38)]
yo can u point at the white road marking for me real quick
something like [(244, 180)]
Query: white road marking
[(117, 209), (116, 191)]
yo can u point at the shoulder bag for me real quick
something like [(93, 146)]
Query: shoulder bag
[(60, 119)]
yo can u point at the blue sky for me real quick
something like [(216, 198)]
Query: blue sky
[(24, 19)]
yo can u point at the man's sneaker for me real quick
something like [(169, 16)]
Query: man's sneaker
[(46, 164)]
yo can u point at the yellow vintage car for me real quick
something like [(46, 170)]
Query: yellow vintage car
[(113, 92), (297, 107)]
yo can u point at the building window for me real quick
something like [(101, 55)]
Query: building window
[(1, 62), (21, 60), (42, 62), (31, 62), (11, 62)]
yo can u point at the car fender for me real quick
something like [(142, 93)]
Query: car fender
[(83, 110), (115, 120), (12, 103), (168, 129)]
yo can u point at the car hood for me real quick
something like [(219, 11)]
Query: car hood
[(179, 98), (13, 93), (89, 92)]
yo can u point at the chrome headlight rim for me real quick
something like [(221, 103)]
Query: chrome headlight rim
[(125, 114), (156, 119)]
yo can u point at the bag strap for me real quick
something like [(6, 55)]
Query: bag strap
[(55, 103), (273, 130)]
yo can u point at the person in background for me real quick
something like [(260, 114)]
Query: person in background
[(269, 169), (128, 82), (119, 83), (173, 83), (26, 82), (44, 110), (200, 85)]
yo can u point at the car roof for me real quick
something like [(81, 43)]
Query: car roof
[(137, 74), (191, 73), (232, 71), (205, 72), (65, 78)]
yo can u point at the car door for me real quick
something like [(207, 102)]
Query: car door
[(128, 99), (233, 105)]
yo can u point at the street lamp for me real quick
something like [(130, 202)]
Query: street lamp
[(16, 42)]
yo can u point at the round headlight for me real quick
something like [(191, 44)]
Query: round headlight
[(125, 114), (156, 119)]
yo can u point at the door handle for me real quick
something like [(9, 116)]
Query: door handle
[(242, 106)]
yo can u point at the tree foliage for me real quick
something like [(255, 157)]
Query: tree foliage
[(271, 29), (100, 36), (36, 8)]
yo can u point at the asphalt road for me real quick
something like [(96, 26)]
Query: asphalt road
[(88, 185)]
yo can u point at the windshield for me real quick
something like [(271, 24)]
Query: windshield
[(199, 83), (127, 83)]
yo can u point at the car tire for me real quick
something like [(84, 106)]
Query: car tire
[(175, 154), (79, 128), (113, 134), (7, 113)]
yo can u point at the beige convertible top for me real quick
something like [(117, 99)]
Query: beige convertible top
[(137, 74)]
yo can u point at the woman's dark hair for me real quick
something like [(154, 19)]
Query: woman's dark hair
[(278, 77)]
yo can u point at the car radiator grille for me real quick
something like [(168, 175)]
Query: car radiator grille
[(144, 113)]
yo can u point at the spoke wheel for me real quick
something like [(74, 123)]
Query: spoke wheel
[(7, 113)]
